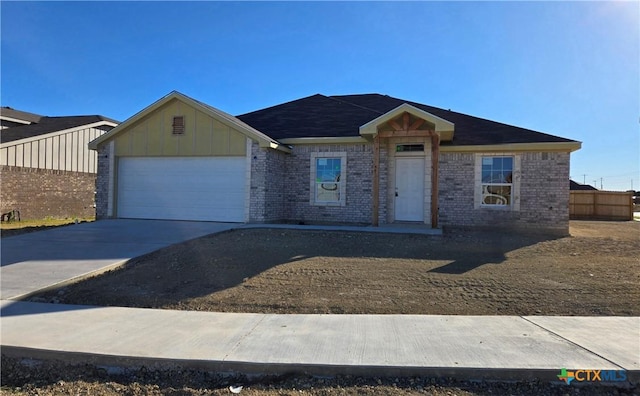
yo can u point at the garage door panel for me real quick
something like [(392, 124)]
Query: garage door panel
[(195, 188)]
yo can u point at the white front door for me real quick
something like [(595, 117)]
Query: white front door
[(409, 193)]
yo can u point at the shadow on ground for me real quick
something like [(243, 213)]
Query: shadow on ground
[(219, 262)]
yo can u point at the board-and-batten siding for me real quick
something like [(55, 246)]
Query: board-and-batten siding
[(66, 151), (152, 136)]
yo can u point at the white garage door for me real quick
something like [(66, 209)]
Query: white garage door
[(185, 188)]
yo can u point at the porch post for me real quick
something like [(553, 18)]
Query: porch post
[(376, 179), (435, 157)]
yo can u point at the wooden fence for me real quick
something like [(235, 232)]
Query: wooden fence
[(601, 205)]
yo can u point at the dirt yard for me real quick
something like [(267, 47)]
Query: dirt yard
[(594, 272)]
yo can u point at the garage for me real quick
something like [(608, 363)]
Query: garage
[(182, 188)]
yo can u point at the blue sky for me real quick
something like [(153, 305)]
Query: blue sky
[(567, 68)]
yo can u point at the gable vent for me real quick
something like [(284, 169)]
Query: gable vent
[(178, 125)]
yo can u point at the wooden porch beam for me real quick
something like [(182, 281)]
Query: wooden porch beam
[(405, 121), (394, 125), (416, 124), (376, 180)]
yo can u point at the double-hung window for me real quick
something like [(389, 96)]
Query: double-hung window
[(328, 179), (497, 181)]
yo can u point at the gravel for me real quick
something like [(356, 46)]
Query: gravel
[(31, 377)]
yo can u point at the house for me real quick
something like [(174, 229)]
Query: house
[(10, 118), (46, 168), (360, 159), (575, 186)]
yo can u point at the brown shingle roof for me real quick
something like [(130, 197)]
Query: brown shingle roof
[(19, 115), (342, 115)]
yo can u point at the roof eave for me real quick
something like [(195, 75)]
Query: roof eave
[(325, 140), (569, 147)]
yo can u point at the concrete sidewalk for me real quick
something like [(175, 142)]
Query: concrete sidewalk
[(476, 347)]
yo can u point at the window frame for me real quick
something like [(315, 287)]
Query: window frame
[(480, 185), (342, 183), (412, 148)]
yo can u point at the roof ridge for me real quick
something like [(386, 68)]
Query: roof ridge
[(100, 117), (282, 104), (334, 97)]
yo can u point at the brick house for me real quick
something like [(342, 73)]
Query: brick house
[(360, 159), (46, 168)]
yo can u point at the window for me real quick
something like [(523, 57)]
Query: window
[(497, 181), (328, 171), (402, 148), (328, 179), (178, 125)]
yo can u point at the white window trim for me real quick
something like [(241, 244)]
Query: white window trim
[(515, 184), (343, 178)]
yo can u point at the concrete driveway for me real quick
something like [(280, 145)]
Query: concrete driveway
[(31, 262)]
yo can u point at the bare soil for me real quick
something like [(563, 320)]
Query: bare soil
[(596, 271)]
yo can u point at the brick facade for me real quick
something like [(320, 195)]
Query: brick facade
[(102, 182), (359, 184), (47, 193), (267, 189), (544, 193), (280, 191)]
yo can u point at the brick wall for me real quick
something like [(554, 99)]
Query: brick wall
[(102, 181), (358, 201), (544, 193), (267, 188), (544, 190), (456, 189), (41, 193)]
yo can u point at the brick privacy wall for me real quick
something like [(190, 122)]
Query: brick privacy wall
[(544, 194), (267, 189), (102, 182), (42, 193)]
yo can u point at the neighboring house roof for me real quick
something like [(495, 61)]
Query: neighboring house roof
[(12, 114), (51, 124), (580, 187), (343, 115)]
